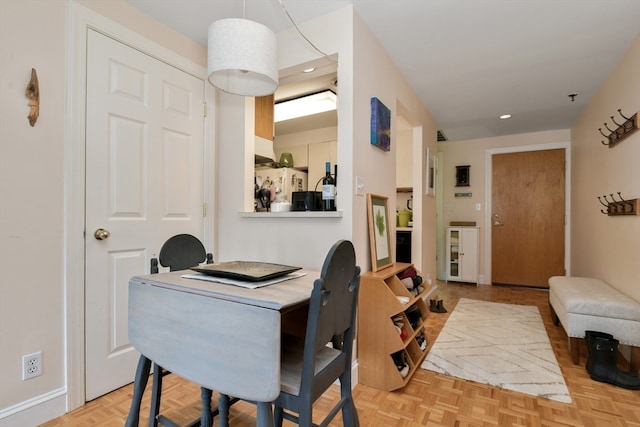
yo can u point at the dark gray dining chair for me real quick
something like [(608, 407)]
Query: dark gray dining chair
[(310, 366), (179, 252)]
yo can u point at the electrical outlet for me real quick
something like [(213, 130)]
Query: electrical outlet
[(31, 365)]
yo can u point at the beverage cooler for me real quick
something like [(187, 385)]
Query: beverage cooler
[(287, 180)]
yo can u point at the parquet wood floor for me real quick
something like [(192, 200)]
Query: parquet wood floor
[(430, 399)]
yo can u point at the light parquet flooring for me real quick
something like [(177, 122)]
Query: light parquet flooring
[(429, 399)]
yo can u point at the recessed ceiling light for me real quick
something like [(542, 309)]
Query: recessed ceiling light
[(309, 70), (505, 116)]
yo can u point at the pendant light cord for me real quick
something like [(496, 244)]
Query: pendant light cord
[(301, 34)]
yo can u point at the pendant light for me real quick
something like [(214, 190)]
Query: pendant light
[(242, 57)]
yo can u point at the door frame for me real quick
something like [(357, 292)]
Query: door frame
[(81, 19), (487, 279)]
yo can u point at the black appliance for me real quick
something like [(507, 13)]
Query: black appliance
[(306, 201), (403, 246)]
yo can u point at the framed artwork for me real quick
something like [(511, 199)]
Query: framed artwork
[(379, 239), (430, 161), (380, 125)]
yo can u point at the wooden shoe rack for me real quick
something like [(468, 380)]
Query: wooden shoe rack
[(378, 338)]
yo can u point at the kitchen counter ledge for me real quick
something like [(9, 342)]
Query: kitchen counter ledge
[(292, 214)]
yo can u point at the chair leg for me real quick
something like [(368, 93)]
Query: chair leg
[(349, 411), (305, 416), (277, 416), (156, 394), (140, 383)]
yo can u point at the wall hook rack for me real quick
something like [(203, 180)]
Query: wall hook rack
[(619, 207), (622, 131)]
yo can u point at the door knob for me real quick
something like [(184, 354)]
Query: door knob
[(496, 220), (101, 234)]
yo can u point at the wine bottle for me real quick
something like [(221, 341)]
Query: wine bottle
[(328, 190)]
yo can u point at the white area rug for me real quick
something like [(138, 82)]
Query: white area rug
[(503, 345)]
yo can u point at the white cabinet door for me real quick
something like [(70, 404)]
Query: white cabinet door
[(469, 255), (453, 254), (462, 254)]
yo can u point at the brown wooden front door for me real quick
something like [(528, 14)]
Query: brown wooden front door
[(528, 217)]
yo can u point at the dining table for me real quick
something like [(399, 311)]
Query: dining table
[(221, 336)]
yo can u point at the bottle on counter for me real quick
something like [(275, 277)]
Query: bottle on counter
[(328, 190)]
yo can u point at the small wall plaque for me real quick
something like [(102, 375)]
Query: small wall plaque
[(463, 194), (462, 176)]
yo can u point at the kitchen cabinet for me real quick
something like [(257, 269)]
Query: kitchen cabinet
[(264, 124), (462, 254), (391, 326)]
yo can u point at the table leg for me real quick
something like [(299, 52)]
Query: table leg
[(206, 420), (265, 415)]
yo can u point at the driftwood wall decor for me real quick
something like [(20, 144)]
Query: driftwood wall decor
[(33, 93)]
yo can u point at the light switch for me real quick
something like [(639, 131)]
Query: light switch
[(478, 206), (359, 186)]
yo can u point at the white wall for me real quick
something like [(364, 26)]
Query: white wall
[(33, 168), (473, 153), (378, 77), (32, 187), (297, 241), (32, 34), (604, 247), (607, 247)]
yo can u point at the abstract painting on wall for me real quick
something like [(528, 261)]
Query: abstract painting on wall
[(380, 125)]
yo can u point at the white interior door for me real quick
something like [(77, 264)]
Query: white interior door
[(144, 183)]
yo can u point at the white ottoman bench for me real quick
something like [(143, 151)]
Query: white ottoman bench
[(585, 304)]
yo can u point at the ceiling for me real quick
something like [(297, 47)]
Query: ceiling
[(469, 61)]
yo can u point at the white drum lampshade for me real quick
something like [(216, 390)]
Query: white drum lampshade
[(242, 57)]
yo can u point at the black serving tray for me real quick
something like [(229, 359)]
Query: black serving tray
[(248, 271)]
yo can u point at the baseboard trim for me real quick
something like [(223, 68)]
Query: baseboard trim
[(35, 411)]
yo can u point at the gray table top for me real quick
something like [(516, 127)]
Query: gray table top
[(276, 296)]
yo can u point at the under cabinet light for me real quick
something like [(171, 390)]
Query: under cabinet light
[(305, 106)]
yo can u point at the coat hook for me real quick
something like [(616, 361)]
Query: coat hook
[(605, 125), (607, 200), (614, 121), (623, 116), (603, 134), (613, 198), (604, 143), (603, 204), (620, 195)]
